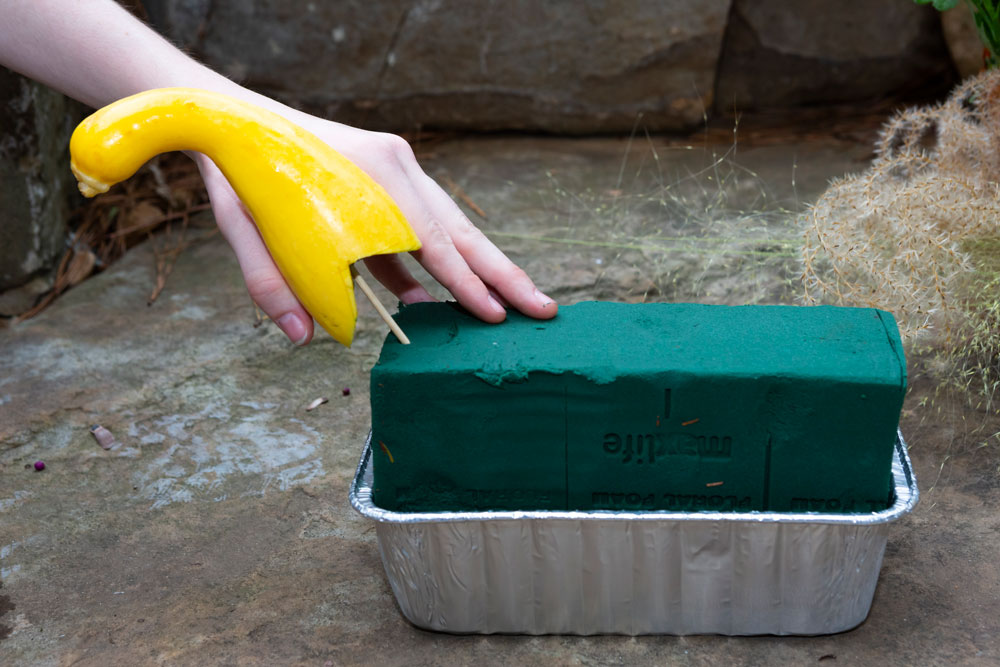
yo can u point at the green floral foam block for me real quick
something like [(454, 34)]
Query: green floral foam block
[(610, 406)]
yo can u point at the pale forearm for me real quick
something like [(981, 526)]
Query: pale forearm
[(96, 52)]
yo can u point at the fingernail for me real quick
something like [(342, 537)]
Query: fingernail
[(294, 328), (542, 299), (495, 305)]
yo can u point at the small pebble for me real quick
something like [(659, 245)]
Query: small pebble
[(347, 391), (39, 465), (315, 404), (103, 436)]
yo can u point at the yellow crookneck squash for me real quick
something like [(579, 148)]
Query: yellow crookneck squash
[(317, 212)]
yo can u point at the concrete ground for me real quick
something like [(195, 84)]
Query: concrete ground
[(219, 531)]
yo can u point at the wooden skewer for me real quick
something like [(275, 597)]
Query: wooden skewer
[(383, 313)]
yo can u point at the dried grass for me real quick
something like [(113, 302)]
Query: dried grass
[(918, 234)]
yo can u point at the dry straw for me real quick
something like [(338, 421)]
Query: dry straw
[(918, 234)]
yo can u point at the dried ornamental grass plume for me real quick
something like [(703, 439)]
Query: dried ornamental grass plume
[(918, 233)]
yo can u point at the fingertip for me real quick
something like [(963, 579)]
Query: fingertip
[(488, 310), (497, 308), (536, 305), (294, 326), (547, 307), (548, 311)]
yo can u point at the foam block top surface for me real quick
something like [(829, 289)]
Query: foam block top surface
[(603, 340)]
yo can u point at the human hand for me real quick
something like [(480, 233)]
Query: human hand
[(454, 251)]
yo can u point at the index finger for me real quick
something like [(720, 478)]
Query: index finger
[(482, 256)]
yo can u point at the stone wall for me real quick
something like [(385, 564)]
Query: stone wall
[(843, 52), (586, 66), (35, 126), (565, 67), (590, 66)]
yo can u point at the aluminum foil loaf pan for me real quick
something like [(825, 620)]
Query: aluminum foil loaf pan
[(634, 573)]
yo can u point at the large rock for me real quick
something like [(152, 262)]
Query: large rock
[(37, 183), (964, 43), (824, 52), (553, 66)]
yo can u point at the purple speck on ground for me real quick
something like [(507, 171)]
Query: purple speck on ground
[(39, 465), (347, 391)]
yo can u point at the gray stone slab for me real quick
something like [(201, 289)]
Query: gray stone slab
[(552, 66), (219, 532)]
